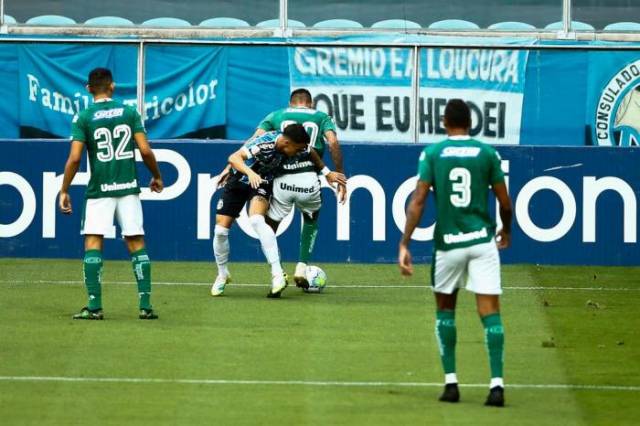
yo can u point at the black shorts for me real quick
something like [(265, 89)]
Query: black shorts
[(235, 195)]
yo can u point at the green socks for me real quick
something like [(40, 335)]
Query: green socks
[(446, 335), (307, 238), (494, 338), (142, 271), (92, 268)]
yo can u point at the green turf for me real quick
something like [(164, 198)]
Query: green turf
[(347, 334)]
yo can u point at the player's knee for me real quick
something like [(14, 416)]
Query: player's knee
[(221, 230), (134, 242), (224, 221), (256, 220)]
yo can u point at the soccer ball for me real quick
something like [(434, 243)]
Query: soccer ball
[(317, 279)]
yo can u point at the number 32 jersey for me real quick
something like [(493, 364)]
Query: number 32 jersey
[(461, 170), (107, 128)]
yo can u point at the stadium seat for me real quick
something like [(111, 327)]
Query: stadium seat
[(223, 21), (575, 25), (338, 23), (8, 19), (453, 24), (623, 26), (511, 25), (50, 20), (396, 24), (112, 21), (166, 22), (275, 23)]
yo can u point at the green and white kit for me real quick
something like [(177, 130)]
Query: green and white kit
[(299, 185), (461, 171), (107, 128)]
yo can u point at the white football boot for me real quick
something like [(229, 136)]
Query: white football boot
[(278, 283), (218, 285)]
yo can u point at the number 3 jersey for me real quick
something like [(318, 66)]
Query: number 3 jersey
[(107, 128), (461, 170)]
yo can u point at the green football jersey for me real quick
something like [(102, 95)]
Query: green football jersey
[(107, 128), (461, 170), (317, 124)]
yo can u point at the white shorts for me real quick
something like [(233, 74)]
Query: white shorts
[(99, 213), (297, 189), (477, 268)]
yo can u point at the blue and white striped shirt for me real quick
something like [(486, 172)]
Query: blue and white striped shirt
[(262, 157)]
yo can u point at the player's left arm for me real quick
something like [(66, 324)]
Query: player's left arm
[(336, 155), (149, 160), (334, 149), (259, 132), (506, 214), (332, 177), (499, 188), (414, 213), (70, 170)]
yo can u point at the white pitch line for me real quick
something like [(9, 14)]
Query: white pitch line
[(384, 286), (315, 383)]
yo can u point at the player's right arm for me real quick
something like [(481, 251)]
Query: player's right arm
[(224, 174), (237, 161), (70, 170), (414, 211), (149, 159)]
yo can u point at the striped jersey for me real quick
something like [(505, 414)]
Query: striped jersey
[(263, 158)]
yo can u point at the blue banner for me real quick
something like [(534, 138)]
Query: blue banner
[(367, 90), (185, 93), (573, 205), (9, 116), (517, 96), (492, 82)]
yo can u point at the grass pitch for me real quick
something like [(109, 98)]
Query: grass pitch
[(363, 352)]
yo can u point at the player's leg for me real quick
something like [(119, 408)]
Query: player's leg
[(258, 208), (221, 250), (97, 220), (447, 273), (484, 280), (232, 200), (130, 219), (310, 208)]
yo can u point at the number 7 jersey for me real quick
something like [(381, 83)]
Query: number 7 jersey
[(107, 128), (461, 170)]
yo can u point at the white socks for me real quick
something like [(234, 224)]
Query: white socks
[(221, 249), (268, 241), (450, 378), (496, 381)]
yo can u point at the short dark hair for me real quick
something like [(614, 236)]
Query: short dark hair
[(457, 114), (301, 96), (99, 80), (297, 133)]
